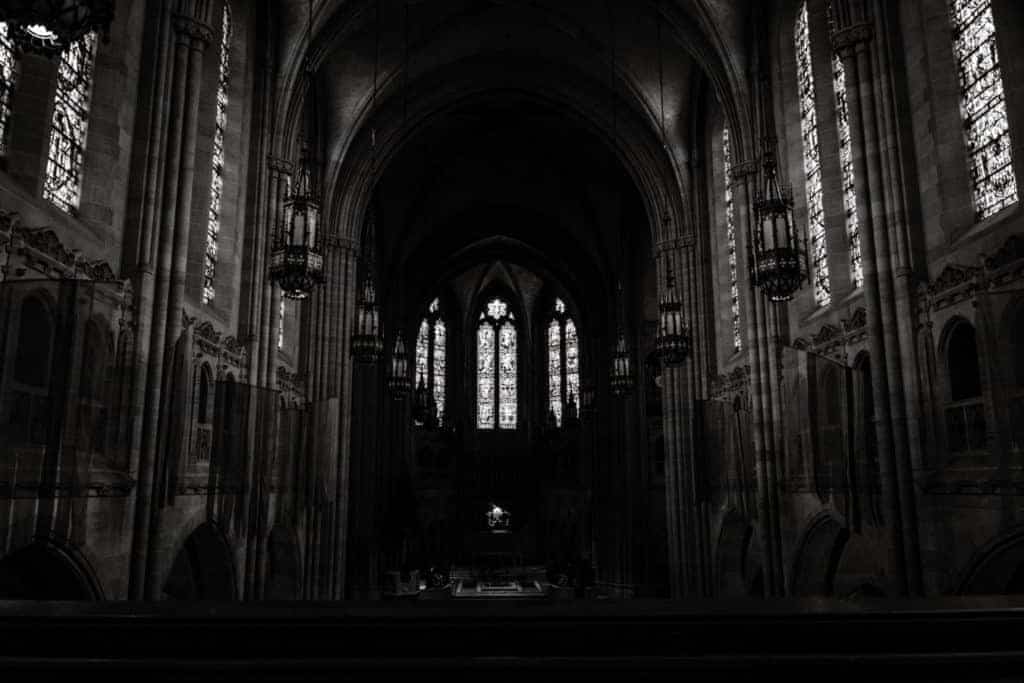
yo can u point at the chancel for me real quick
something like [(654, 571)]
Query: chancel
[(679, 336)]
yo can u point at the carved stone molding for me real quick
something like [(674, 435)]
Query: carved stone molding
[(957, 282), (279, 165), (728, 387), (43, 250), (846, 39), (199, 32), (742, 169)]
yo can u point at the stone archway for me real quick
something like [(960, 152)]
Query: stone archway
[(284, 570), (203, 568), (817, 559), (42, 571), (998, 568)]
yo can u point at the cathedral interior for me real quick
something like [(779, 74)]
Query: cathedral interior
[(668, 335)]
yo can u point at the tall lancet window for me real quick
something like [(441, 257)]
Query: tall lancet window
[(63, 182), (280, 324), (563, 363), (496, 367), (217, 176), (730, 238), (7, 75), (431, 356), (846, 162), (812, 163), (983, 106)]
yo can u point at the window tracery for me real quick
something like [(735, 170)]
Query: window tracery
[(563, 362), (497, 367), (730, 237), (217, 179), (7, 77), (846, 166), (811, 158), (431, 355), (63, 182), (983, 106)]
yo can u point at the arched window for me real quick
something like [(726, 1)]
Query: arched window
[(1017, 387), (7, 75), (431, 355), (96, 353), (730, 237), (217, 177), (497, 365), (280, 324), (965, 415), (63, 182), (30, 403), (846, 166), (964, 375), (32, 360), (203, 440), (563, 363), (812, 163), (983, 106)]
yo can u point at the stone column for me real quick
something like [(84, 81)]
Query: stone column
[(191, 33), (853, 43)]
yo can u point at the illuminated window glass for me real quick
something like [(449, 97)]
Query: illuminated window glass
[(730, 236), (563, 362), (497, 368), (63, 182), (812, 164), (7, 75), (555, 370), (217, 178), (280, 325), (846, 162), (431, 347), (983, 106)]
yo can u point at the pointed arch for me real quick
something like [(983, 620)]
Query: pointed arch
[(497, 352)]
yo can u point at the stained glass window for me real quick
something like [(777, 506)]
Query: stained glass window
[(7, 76), (431, 341), (730, 237), (555, 370), (812, 164), (497, 367), (280, 325), (983, 106), (217, 179), (563, 362), (485, 398), (846, 162), (572, 362), (63, 182)]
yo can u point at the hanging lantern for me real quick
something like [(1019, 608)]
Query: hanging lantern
[(777, 256), (421, 403), (367, 343), (398, 374), (673, 340), (49, 27), (589, 396), (622, 369), (296, 263), (778, 263)]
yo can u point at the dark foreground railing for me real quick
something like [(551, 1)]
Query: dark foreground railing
[(944, 639)]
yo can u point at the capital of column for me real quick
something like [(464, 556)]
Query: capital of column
[(199, 33), (336, 241), (279, 165), (742, 170), (845, 40)]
